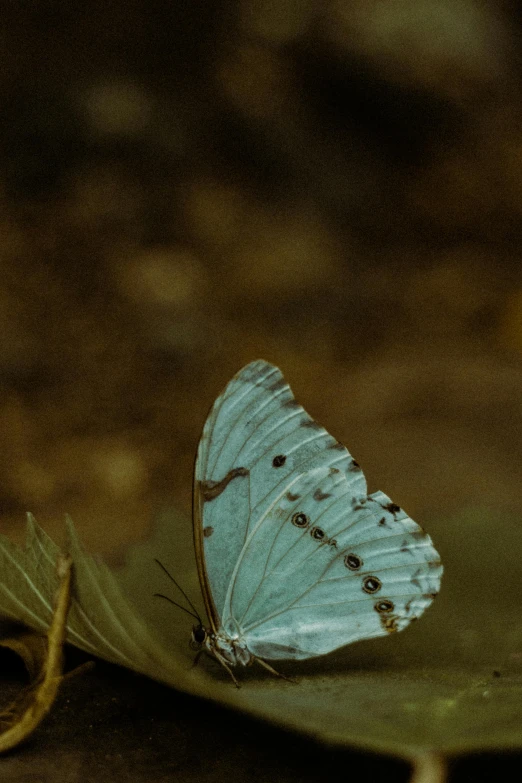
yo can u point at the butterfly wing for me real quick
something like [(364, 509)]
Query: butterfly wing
[(256, 440), (323, 568)]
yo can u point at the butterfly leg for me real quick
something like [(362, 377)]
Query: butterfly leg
[(196, 658), (274, 671), (229, 670), (217, 657), (225, 665)]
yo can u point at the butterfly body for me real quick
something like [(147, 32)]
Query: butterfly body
[(229, 649), (295, 559)]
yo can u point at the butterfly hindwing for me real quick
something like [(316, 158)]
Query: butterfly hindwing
[(371, 571)]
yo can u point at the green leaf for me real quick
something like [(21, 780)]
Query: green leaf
[(449, 684), (101, 621)]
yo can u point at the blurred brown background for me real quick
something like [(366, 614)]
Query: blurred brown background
[(186, 186)]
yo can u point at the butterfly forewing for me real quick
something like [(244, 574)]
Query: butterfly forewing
[(256, 439)]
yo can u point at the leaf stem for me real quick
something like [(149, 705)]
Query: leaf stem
[(429, 768), (48, 683)]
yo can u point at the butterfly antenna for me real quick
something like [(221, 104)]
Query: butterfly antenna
[(194, 612), (160, 595)]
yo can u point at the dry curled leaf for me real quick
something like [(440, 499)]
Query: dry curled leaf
[(31, 647), (22, 717)]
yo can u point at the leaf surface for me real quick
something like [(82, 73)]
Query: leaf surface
[(452, 683)]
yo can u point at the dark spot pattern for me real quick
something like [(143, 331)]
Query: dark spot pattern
[(300, 520), (384, 606), (414, 579), (320, 495), (389, 622), (336, 446), (371, 584), (277, 385), (418, 535), (393, 508), (207, 531), (353, 562), (310, 424), (279, 460), (354, 466), (213, 489), (291, 497), (382, 521), (318, 533)]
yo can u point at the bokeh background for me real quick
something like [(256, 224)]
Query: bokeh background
[(186, 186)]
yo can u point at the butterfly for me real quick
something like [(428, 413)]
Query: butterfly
[(294, 558)]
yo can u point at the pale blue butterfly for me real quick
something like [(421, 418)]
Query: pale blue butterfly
[(295, 559)]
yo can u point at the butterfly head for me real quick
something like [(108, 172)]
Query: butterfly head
[(199, 637)]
